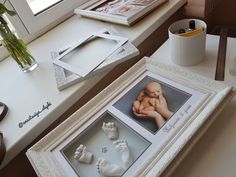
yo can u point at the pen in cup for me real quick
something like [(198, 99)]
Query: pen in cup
[(190, 31), (187, 39)]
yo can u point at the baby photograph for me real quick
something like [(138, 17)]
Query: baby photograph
[(151, 103)]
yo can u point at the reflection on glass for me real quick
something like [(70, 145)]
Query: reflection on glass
[(38, 6), (99, 151)]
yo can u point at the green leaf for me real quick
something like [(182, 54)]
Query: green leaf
[(3, 10)]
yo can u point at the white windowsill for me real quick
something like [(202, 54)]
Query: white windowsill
[(26, 93)]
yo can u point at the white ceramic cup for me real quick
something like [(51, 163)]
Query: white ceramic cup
[(187, 50)]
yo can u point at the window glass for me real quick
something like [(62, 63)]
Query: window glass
[(38, 6)]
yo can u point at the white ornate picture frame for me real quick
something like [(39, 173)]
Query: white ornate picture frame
[(65, 78), (193, 100)]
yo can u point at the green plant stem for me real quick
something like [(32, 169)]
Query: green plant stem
[(15, 46)]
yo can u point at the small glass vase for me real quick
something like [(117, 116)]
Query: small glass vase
[(17, 49)]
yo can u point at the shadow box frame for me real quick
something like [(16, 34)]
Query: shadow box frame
[(205, 98)]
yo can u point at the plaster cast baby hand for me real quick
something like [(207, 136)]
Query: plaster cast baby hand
[(111, 130), (123, 149), (83, 155)]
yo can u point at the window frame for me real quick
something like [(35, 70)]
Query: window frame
[(49, 17), (29, 26)]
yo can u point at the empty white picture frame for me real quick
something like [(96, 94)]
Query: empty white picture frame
[(65, 78), (84, 66)]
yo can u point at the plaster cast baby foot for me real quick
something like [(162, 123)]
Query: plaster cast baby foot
[(107, 168), (111, 130), (83, 155), (123, 148)]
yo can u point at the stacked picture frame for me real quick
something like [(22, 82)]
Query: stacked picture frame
[(134, 127), (117, 49), (125, 12)]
